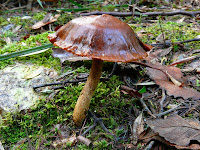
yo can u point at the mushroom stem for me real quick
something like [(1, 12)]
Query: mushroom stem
[(83, 102)]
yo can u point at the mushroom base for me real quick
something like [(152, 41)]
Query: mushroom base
[(83, 102)]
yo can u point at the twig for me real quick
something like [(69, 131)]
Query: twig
[(170, 43), (73, 81), (184, 60), (113, 70), (191, 109), (163, 35), (146, 108), (4, 4), (168, 111), (149, 146), (150, 65), (162, 100), (84, 140), (29, 141), (20, 7), (131, 91), (59, 83), (98, 120), (88, 129), (125, 14), (83, 126)]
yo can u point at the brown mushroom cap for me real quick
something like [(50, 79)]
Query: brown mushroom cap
[(102, 37)]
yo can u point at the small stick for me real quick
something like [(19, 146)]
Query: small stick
[(149, 146), (168, 111), (162, 100), (58, 83), (126, 14), (83, 125), (29, 141), (73, 81), (191, 109), (184, 60), (146, 108), (84, 140), (91, 127), (180, 42), (100, 122), (113, 70)]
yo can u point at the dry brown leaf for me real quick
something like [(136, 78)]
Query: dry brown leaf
[(47, 20), (176, 82), (130, 91), (149, 135), (163, 81), (137, 129), (184, 60), (176, 130)]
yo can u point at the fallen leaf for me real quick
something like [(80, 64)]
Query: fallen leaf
[(47, 20), (184, 60), (149, 135), (176, 130), (137, 129), (130, 91), (176, 82), (162, 79)]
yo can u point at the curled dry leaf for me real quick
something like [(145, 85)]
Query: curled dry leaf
[(162, 79), (176, 130), (193, 66), (176, 82), (184, 60), (138, 128), (130, 91), (47, 20)]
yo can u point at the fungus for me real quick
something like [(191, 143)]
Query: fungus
[(101, 38)]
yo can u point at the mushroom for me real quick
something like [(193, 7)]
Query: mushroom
[(101, 38)]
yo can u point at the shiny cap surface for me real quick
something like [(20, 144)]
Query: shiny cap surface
[(101, 37)]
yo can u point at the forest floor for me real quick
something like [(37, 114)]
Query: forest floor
[(152, 104)]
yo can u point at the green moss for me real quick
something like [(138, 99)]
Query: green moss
[(44, 59), (39, 16), (3, 21), (63, 19), (40, 119), (173, 31)]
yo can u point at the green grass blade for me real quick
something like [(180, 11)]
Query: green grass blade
[(27, 51), (40, 3), (68, 9)]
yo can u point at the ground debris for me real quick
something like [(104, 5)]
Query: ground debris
[(176, 130)]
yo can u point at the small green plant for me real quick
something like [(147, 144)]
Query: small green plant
[(8, 33), (197, 82), (103, 144)]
